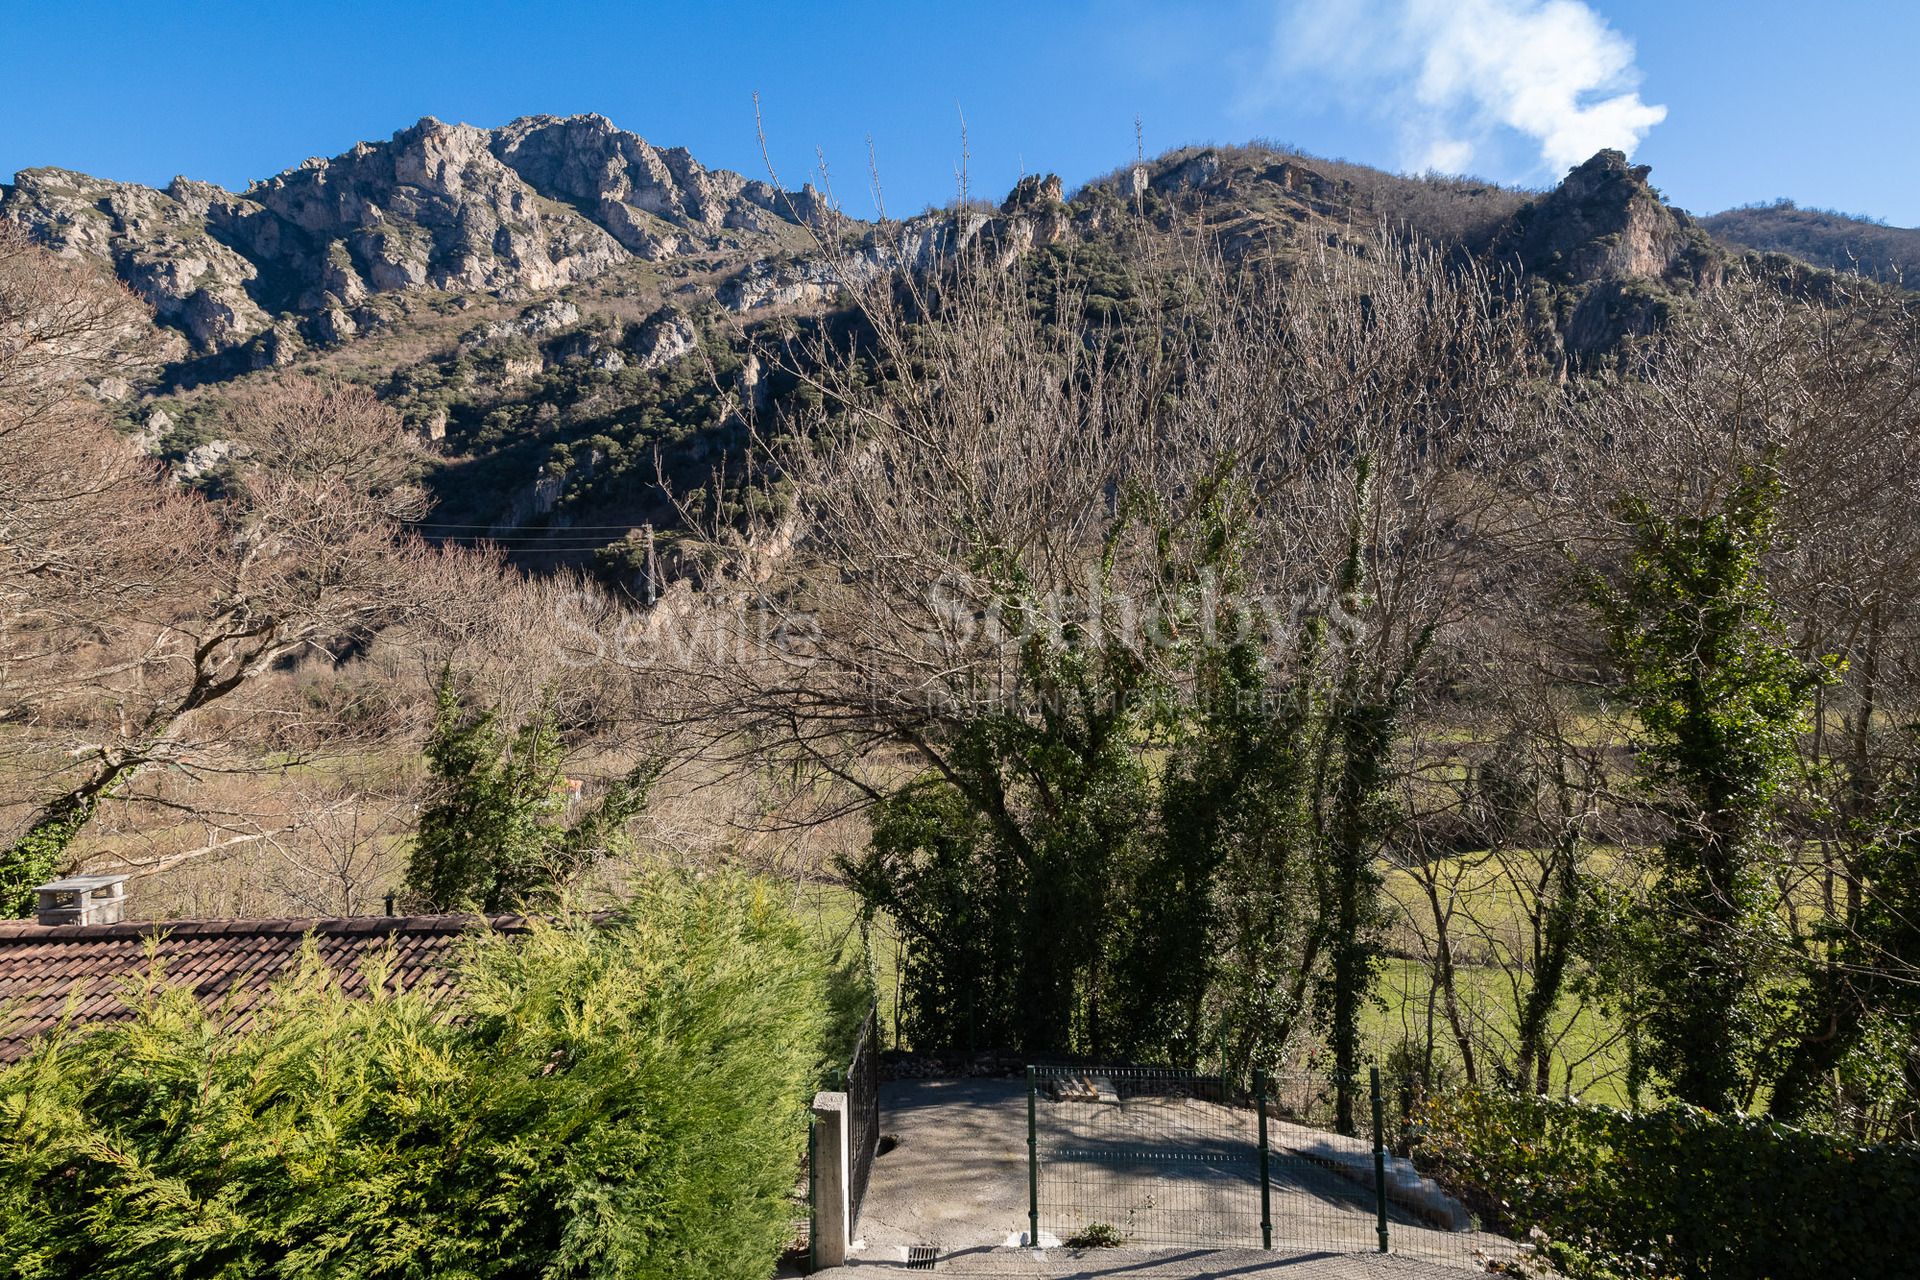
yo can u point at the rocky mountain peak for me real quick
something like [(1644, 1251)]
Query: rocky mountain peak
[(540, 203), (630, 186), (1606, 235), (431, 208), (1606, 169), (1603, 222)]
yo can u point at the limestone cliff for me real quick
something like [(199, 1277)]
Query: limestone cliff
[(538, 204), (158, 242)]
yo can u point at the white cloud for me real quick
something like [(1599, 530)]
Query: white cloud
[(1455, 74)]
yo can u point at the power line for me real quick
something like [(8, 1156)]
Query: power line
[(583, 544), (536, 528)]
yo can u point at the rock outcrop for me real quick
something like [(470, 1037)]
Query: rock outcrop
[(157, 242), (1034, 192), (664, 337), (806, 282), (1615, 250), (539, 321), (536, 205), (1603, 222)]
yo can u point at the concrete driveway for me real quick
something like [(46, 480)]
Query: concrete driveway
[(955, 1180), (1162, 1264), (956, 1176)]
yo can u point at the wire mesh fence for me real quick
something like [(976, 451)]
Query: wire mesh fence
[(1141, 1157), (1133, 1157)]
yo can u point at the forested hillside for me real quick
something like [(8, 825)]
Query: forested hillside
[(565, 314)]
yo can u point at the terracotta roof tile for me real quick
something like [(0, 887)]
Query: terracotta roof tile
[(226, 963)]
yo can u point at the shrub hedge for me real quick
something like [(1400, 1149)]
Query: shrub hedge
[(1675, 1192), (625, 1100)]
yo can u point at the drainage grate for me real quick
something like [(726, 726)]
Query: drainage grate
[(920, 1257)]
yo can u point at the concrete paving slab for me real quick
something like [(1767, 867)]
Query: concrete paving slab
[(956, 1175), (1164, 1171), (1161, 1264)]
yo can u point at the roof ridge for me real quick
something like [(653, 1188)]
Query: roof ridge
[(331, 926)]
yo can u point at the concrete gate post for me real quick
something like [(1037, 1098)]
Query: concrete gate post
[(832, 1186)]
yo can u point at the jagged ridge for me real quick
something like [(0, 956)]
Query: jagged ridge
[(536, 204)]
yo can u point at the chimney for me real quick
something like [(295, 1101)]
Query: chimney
[(82, 900)]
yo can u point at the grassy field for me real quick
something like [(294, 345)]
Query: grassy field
[(1589, 1058), (1487, 901)]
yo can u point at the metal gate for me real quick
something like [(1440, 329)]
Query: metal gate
[(863, 1111), (1130, 1156), (860, 1080)]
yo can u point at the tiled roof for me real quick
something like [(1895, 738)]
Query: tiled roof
[(42, 966)]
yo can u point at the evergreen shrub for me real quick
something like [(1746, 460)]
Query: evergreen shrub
[(624, 1098), (1675, 1192)]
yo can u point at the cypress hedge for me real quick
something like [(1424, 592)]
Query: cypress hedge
[(624, 1099), (1675, 1192)]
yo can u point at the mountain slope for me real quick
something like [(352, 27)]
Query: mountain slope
[(569, 315), (1824, 239), (536, 205)]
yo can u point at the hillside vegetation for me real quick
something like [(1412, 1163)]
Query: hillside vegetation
[(1824, 238)]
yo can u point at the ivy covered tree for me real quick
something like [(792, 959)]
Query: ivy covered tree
[(1721, 698), (496, 834), (1166, 853), (1006, 868), (1353, 797), (1221, 945), (1860, 1012)]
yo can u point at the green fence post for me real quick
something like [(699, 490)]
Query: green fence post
[(1033, 1166), (1266, 1173), (1379, 1160)]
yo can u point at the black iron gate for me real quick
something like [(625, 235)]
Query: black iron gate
[(860, 1080), (863, 1114)]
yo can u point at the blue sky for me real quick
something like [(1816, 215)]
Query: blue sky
[(1730, 102)]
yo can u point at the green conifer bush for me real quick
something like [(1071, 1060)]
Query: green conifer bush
[(623, 1098)]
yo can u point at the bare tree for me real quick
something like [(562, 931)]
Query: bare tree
[(81, 521), (343, 850), (307, 551), (996, 478)]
